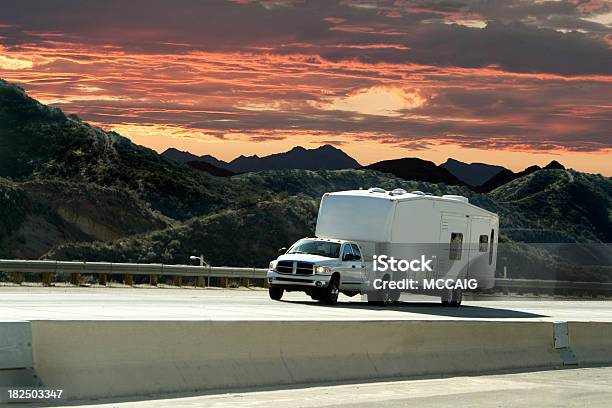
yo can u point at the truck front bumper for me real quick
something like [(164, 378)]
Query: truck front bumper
[(297, 282)]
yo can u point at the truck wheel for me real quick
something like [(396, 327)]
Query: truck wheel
[(317, 295), (276, 293), (332, 292)]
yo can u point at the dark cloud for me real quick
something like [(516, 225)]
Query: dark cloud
[(515, 47), (519, 35)]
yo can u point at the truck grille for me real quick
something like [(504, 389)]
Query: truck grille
[(284, 267), (302, 268)]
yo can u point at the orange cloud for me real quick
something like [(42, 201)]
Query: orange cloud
[(353, 80)]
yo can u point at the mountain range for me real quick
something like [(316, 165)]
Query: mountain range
[(506, 176), (480, 177), (473, 174), (72, 191), (325, 157), (417, 169)]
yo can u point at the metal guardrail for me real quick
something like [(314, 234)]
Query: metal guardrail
[(103, 269), (552, 287), (75, 269), (110, 268)]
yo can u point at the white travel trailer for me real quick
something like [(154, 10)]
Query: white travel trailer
[(458, 239)]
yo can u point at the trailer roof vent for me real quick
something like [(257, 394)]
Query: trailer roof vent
[(456, 197), (417, 192), (376, 190), (398, 191)]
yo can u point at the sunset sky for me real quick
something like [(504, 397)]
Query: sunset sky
[(506, 82)]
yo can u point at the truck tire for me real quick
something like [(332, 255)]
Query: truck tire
[(317, 294), (333, 290), (276, 293)]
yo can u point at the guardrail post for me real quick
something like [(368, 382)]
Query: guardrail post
[(224, 282), (129, 279), (17, 278), (102, 279), (46, 278), (153, 280), (178, 280), (244, 282), (75, 279), (199, 282)]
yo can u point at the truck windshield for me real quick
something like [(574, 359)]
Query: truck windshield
[(323, 248)]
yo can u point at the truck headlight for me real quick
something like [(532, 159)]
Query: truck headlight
[(272, 265), (323, 269)]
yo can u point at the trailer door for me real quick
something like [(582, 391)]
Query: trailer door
[(454, 238)]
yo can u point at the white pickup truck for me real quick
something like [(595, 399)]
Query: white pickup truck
[(320, 267)]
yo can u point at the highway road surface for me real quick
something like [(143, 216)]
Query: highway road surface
[(584, 387), (146, 303)]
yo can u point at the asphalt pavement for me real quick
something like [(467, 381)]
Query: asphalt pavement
[(147, 303)]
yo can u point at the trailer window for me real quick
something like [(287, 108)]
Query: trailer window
[(491, 247), (456, 246), (356, 252), (483, 243)]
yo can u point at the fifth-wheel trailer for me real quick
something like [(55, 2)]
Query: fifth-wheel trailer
[(459, 239)]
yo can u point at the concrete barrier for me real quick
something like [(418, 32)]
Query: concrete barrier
[(15, 345), (16, 357), (96, 359), (591, 342)]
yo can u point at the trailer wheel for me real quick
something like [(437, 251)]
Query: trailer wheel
[(333, 290), (447, 297), (384, 296), (395, 294), (452, 298), (457, 298), (276, 293)]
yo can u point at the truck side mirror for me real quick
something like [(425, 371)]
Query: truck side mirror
[(282, 250)]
